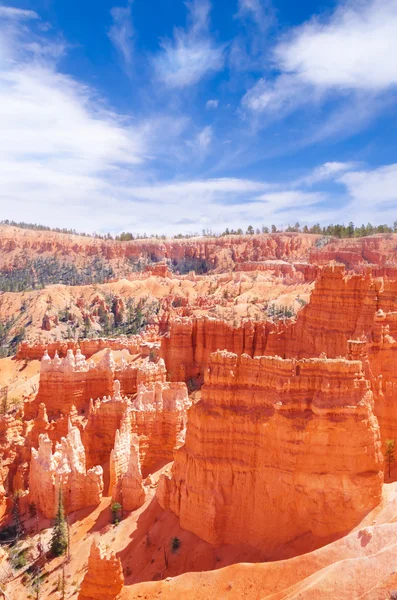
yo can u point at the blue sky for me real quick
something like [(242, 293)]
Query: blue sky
[(167, 116)]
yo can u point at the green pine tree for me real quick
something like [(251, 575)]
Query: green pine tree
[(59, 540)]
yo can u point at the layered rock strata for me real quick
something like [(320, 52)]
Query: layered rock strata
[(275, 451), (71, 381), (74, 381), (104, 579), (66, 469), (88, 347), (190, 342)]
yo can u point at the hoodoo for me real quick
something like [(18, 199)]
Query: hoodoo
[(277, 452), (64, 469)]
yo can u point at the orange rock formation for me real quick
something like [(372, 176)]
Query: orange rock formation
[(158, 416), (281, 454), (64, 469), (125, 470), (104, 578), (277, 450)]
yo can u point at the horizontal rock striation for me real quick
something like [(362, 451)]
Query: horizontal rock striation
[(71, 381), (277, 450)]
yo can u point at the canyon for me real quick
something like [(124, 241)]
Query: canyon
[(211, 434)]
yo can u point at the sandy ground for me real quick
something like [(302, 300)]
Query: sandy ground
[(360, 565), (21, 377)]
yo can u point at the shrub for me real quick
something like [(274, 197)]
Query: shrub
[(116, 509)]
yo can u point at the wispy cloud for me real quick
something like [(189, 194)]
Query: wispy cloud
[(192, 54), (121, 33), (259, 10), (345, 61), (326, 172), (373, 192), (9, 12), (212, 104), (205, 137)]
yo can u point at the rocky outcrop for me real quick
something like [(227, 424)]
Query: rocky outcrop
[(277, 450), (66, 469), (74, 381), (88, 347), (221, 253), (104, 419), (378, 250), (158, 418), (190, 342), (71, 381), (341, 307), (125, 470), (290, 272), (104, 578)]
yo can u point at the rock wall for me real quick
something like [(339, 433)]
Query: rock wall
[(378, 250), (290, 272), (190, 342), (88, 347), (222, 253), (158, 418), (104, 579), (277, 450), (71, 381), (341, 307), (65, 468)]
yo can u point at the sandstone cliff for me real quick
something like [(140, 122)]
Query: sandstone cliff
[(277, 450), (71, 381)]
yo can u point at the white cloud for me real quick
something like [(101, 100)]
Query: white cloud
[(260, 13), (292, 199), (63, 152), (9, 12), (205, 137), (353, 49), (212, 104), (174, 192), (121, 32), (280, 96), (327, 171), (375, 187), (347, 58), (192, 54)]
